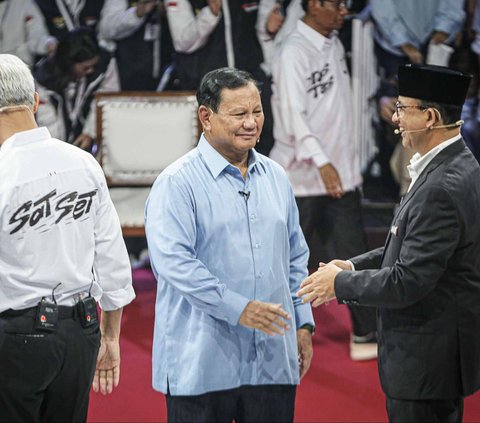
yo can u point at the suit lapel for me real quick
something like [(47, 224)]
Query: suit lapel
[(452, 150)]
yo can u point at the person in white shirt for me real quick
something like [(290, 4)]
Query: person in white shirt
[(276, 20), (61, 252), (312, 110), (22, 30)]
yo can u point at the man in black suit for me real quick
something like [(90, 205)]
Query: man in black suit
[(425, 281)]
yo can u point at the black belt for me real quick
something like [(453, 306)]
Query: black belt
[(64, 312)]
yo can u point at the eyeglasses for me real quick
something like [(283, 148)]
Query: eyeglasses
[(339, 4), (399, 107)]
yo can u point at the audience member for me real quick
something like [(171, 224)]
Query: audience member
[(404, 32), (208, 34), (425, 280), (67, 82), (22, 30), (143, 44), (226, 275), (312, 105), (63, 16), (276, 19)]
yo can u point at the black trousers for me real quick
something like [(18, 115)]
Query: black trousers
[(431, 411), (339, 226), (46, 376), (262, 403)]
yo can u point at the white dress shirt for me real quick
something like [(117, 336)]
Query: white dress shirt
[(418, 163), (312, 109), (58, 224)]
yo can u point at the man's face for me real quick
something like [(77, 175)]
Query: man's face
[(329, 17), (236, 126), (410, 117)]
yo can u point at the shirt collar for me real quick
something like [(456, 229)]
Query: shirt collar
[(25, 137), (317, 40), (216, 163), (418, 162)]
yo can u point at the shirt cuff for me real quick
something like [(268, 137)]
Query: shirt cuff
[(113, 300), (303, 315), (351, 265), (232, 307), (320, 160)]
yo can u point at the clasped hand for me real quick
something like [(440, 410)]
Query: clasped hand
[(319, 287)]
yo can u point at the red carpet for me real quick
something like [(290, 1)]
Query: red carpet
[(335, 390)]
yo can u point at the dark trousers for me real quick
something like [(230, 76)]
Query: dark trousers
[(432, 411), (262, 403), (46, 376), (339, 226)]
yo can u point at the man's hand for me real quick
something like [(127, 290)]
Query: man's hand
[(275, 20), (305, 350), (343, 264), (439, 37), (332, 181), (107, 373), (412, 53), (144, 7), (83, 141), (387, 108), (319, 287), (215, 6), (267, 317)]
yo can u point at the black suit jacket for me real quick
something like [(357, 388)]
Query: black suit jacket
[(425, 282)]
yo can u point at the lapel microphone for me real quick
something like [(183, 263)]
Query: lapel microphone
[(450, 125)]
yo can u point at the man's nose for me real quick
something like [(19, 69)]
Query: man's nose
[(249, 121)]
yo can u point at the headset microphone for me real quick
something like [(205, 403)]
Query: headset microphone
[(451, 125)]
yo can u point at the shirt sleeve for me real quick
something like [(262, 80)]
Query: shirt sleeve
[(430, 241), (298, 262), (388, 23), (290, 85), (111, 264), (171, 232), (449, 17), (189, 31), (37, 36), (118, 21)]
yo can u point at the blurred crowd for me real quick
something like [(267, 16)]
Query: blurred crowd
[(77, 48)]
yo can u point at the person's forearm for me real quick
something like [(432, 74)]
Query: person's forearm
[(110, 323)]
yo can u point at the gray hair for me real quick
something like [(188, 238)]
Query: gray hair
[(17, 87)]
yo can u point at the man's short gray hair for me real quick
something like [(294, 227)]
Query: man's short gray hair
[(17, 86)]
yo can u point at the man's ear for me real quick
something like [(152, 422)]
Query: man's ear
[(36, 102), (433, 116), (204, 116)]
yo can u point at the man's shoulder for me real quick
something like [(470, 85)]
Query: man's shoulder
[(295, 42), (182, 171)]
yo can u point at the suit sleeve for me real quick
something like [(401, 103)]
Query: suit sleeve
[(431, 238)]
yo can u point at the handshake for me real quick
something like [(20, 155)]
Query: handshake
[(319, 287)]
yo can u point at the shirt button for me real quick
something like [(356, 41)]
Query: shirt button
[(257, 245), (253, 216), (260, 275)]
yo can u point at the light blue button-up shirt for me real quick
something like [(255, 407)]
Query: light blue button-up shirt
[(213, 250), (400, 22)]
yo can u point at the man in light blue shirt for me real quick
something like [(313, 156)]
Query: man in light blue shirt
[(231, 338), (404, 28)]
